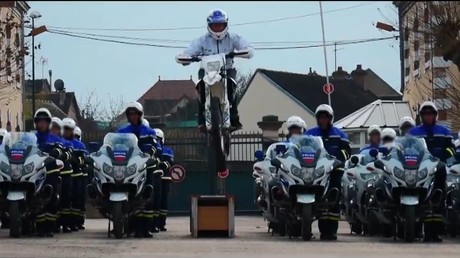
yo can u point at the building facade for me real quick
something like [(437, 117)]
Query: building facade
[(425, 75), (12, 53)]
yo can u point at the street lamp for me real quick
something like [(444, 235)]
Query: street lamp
[(34, 32)]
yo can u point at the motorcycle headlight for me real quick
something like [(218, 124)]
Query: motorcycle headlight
[(296, 171), (5, 168), (213, 66), (131, 169), (399, 173), (319, 171), (107, 168), (119, 173), (422, 173), (29, 168)]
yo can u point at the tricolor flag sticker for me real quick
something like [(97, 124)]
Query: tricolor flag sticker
[(411, 160), (308, 158), (17, 154), (119, 156)]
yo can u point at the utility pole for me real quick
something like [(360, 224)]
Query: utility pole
[(324, 48), (33, 65), (335, 55)]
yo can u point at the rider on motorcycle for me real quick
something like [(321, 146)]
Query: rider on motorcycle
[(374, 136), (337, 144), (167, 156), (388, 137), (78, 162), (56, 126), (77, 133), (145, 135), (3, 134), (405, 124), (55, 147), (439, 143), (295, 126), (218, 40)]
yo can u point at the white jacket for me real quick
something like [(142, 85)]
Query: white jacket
[(206, 45)]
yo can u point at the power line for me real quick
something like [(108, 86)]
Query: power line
[(182, 47), (201, 27)]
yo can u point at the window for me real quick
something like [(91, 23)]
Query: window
[(439, 73), (406, 34), (355, 138), (406, 53), (426, 15)]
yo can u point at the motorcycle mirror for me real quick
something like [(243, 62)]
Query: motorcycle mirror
[(370, 169), (259, 155), (379, 164), (354, 160), (351, 175), (373, 153), (93, 146), (146, 148), (276, 163), (453, 172), (88, 160), (280, 148)]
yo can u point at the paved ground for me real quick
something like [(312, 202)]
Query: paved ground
[(251, 241)]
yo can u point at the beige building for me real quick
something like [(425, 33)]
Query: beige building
[(12, 62), (425, 74)]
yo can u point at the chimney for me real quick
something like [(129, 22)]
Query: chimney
[(358, 76), (159, 78), (61, 98), (340, 74), (191, 78)]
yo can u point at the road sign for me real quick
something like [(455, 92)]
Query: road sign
[(328, 88), (177, 173)]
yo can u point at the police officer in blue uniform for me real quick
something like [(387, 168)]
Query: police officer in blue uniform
[(373, 135), (86, 170), (55, 147), (439, 143), (337, 144), (77, 162), (405, 125), (167, 159), (145, 135), (295, 126)]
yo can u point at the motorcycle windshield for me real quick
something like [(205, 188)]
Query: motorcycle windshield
[(411, 150), (121, 141), (18, 143), (367, 158), (305, 148), (276, 150)]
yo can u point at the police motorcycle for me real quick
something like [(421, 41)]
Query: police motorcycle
[(22, 175), (453, 198), (407, 194), (359, 169), (217, 106), (118, 187), (265, 183), (303, 191)]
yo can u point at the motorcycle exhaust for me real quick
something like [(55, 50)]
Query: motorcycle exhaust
[(46, 191), (436, 197), (333, 196), (92, 192), (380, 195), (147, 193)]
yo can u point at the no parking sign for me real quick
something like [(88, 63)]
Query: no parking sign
[(177, 173)]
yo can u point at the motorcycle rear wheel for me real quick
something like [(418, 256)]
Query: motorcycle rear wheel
[(15, 219), (117, 219), (307, 219)]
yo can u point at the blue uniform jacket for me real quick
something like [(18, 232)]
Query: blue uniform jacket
[(167, 155), (335, 141), (47, 142), (145, 135), (438, 140)]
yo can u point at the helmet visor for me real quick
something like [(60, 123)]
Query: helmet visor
[(218, 27)]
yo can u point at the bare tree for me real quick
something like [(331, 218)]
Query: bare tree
[(242, 82), (92, 107), (115, 109)]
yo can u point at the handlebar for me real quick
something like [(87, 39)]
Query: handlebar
[(194, 59)]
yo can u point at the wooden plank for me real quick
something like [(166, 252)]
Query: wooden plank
[(213, 218)]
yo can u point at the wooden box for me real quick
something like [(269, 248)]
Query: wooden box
[(212, 214)]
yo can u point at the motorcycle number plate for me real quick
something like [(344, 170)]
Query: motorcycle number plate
[(409, 200), (305, 198), (118, 197), (15, 196)]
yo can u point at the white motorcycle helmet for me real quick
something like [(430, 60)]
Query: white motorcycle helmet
[(3, 135), (160, 135), (145, 122), (77, 132), (217, 24), (297, 122), (42, 113), (428, 105), (325, 108), (388, 133), (56, 121), (136, 106), (373, 129), (406, 120), (69, 123)]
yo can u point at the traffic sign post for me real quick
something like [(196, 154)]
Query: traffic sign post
[(177, 173)]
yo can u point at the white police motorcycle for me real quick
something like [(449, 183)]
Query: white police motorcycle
[(359, 169), (22, 176), (118, 188), (407, 194), (453, 198), (304, 172), (217, 106)]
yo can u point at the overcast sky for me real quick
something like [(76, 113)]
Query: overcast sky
[(115, 69)]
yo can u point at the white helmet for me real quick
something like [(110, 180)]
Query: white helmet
[(428, 105), (296, 121), (217, 16), (372, 129), (160, 134), (325, 108), (57, 121), (406, 120), (3, 132), (77, 131), (388, 133), (42, 113), (145, 122), (135, 105), (69, 122)]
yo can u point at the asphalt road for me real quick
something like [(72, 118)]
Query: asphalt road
[(252, 240)]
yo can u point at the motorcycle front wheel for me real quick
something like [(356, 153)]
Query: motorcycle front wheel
[(409, 223), (307, 219), (216, 133), (15, 219), (117, 219)]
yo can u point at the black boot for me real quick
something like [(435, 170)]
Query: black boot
[(49, 228), (138, 227), (39, 227), (154, 225), (162, 223)]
